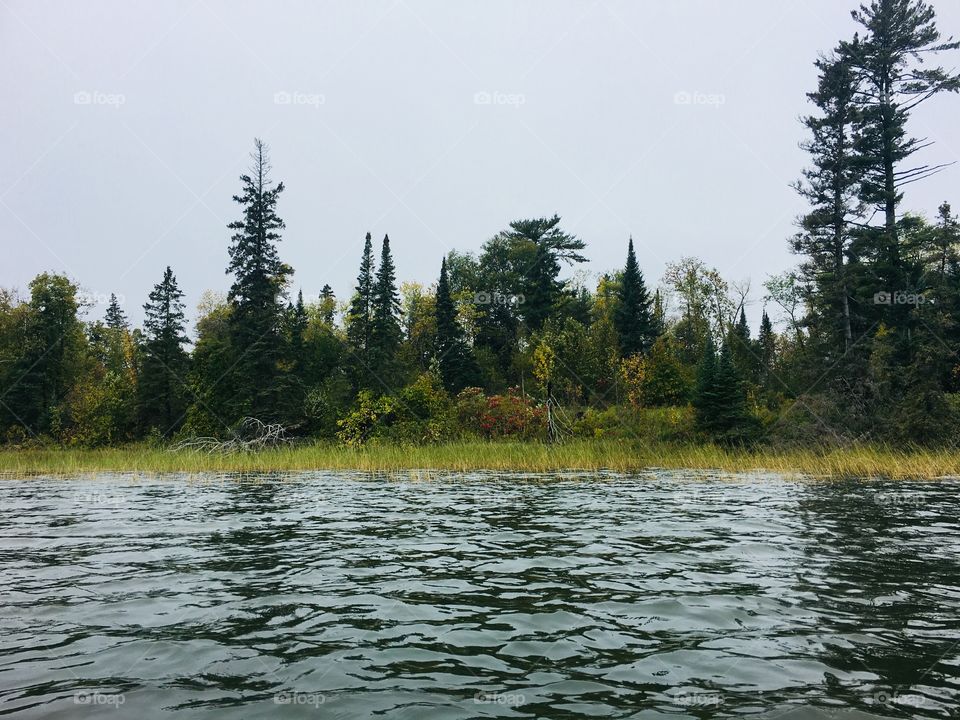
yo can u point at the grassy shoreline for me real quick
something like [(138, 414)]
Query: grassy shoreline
[(581, 455)]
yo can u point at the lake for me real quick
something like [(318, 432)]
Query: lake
[(324, 595)]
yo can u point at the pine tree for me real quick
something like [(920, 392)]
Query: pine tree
[(892, 79), (359, 314), (719, 399), (328, 305), (889, 61), (458, 368), (659, 315), (547, 246), (385, 332), (704, 392), (115, 319), (766, 348), (633, 318), (162, 386), (831, 187)]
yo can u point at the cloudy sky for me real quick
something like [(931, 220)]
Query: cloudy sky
[(125, 125)]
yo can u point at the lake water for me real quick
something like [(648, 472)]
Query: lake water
[(352, 596)]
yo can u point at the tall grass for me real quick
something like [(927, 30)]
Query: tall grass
[(612, 455)]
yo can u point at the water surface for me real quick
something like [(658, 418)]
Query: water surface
[(351, 596)]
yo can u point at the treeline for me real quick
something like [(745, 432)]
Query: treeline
[(866, 349)]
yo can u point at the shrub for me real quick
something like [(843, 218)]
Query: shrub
[(500, 416), (420, 413)]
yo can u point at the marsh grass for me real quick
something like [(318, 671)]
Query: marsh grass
[(581, 455)]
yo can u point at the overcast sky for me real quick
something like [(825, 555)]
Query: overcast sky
[(124, 127)]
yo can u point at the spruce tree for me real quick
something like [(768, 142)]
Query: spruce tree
[(385, 332), (704, 392), (162, 386), (115, 319), (766, 348), (458, 368), (359, 314), (255, 296), (633, 318), (328, 305)]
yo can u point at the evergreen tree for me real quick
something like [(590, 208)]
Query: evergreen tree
[(633, 318), (892, 81), (719, 399), (741, 347), (360, 312), (766, 348), (893, 77), (255, 295), (545, 246), (659, 315), (385, 332), (162, 387), (704, 391), (328, 305), (458, 368), (115, 318), (831, 187)]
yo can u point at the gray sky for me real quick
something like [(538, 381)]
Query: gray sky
[(125, 125)]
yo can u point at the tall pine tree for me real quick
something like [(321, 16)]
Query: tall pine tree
[(385, 332), (359, 314), (633, 318), (458, 367), (255, 296), (162, 387), (115, 319)]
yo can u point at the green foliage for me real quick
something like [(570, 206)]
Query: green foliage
[(659, 378), (420, 413)]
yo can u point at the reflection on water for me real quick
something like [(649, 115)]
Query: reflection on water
[(347, 596)]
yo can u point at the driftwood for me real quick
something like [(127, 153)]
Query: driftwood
[(251, 435)]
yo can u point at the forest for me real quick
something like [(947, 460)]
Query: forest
[(856, 344)]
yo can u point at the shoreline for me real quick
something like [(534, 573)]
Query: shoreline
[(868, 462)]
